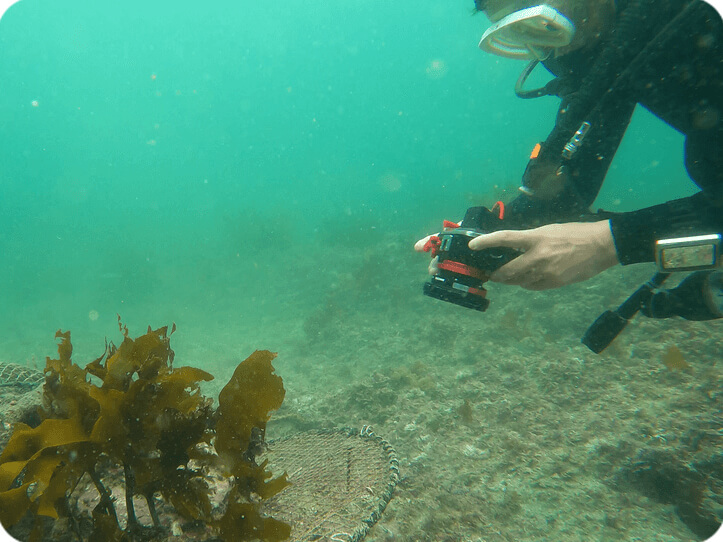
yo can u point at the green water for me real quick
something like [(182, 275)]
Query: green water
[(147, 144), (257, 173)]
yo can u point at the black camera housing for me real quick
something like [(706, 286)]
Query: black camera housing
[(461, 272)]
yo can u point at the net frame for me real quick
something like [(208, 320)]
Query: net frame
[(341, 482)]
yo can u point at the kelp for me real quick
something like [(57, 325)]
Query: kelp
[(131, 408)]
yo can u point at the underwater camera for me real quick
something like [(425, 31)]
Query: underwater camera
[(461, 272)]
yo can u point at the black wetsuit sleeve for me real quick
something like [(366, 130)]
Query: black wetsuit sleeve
[(635, 232), (586, 170)]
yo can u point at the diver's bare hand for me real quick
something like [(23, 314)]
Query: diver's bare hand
[(419, 247), (554, 255)]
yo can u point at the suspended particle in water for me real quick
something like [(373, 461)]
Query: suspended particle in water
[(35, 103), (93, 315), (390, 182), (436, 69)]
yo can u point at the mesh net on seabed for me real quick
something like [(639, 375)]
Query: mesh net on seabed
[(18, 375), (341, 481)]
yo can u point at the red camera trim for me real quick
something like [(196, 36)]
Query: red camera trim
[(462, 269)]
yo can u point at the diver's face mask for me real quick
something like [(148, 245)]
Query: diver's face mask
[(533, 33)]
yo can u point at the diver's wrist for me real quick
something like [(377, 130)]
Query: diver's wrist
[(606, 244)]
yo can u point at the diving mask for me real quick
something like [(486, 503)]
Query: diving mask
[(528, 34)]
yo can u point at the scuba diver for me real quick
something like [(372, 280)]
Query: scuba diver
[(607, 56)]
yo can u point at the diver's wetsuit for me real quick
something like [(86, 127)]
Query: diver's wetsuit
[(679, 78)]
